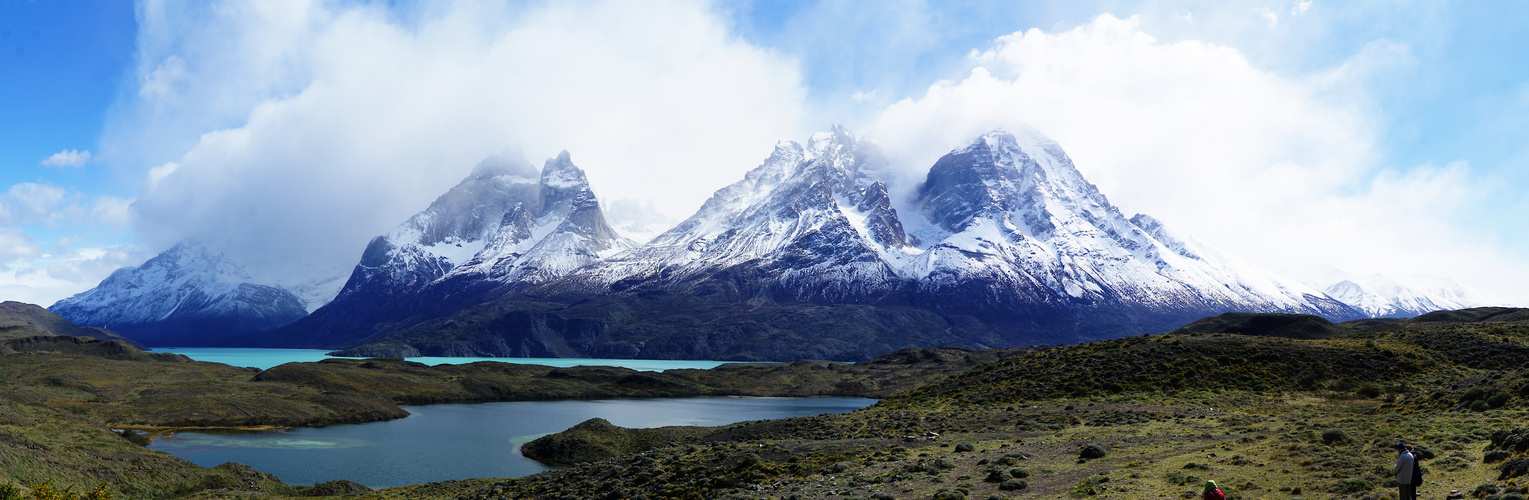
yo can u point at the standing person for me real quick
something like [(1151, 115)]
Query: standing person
[(1403, 471), (1212, 492), (1417, 472)]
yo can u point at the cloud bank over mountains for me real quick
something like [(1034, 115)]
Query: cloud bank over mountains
[(289, 134), (358, 116), (1280, 170)]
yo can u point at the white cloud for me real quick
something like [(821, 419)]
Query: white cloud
[(1280, 170), (67, 158), (1269, 17), (344, 119), (33, 203), (16, 244), (43, 277), (1300, 7)]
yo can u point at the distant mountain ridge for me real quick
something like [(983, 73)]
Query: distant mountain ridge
[(186, 296), (1380, 296), (1004, 243), (807, 257)]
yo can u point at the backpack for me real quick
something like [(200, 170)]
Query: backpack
[(1215, 494), (1417, 470)]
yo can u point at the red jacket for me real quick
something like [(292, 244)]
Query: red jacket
[(1215, 494)]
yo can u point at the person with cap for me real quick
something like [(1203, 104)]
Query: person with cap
[(1403, 471), (1212, 492)]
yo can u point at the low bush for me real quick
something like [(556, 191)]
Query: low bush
[(1514, 468), (1332, 436), (1091, 451), (1014, 484)]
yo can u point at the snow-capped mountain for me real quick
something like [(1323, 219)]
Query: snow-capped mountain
[(188, 295), (1004, 243), (1001, 226), (1382, 297), (812, 221), (506, 226), (1009, 221)]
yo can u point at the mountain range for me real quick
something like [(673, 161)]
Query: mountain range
[(1004, 243)]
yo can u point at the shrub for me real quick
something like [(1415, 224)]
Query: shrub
[(1514, 440), (964, 446), (1496, 456), (949, 495), (1513, 496), (945, 463), (1498, 400), (1019, 473), (997, 476), (1014, 484), (1514, 468), (9, 491), (1484, 489), (1091, 451), (1473, 394), (1480, 405), (1331, 436)]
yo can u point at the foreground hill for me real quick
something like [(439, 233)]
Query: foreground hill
[(19, 320)]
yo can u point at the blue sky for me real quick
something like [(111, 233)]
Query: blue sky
[(1371, 137)]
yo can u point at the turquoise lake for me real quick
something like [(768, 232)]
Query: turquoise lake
[(461, 441), (266, 358)]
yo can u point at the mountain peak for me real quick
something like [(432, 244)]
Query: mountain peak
[(835, 139), (560, 172), (511, 164)]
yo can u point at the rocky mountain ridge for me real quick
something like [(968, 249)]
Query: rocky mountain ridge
[(1004, 243)]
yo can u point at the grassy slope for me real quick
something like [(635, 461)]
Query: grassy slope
[(59, 393), (19, 319), (1171, 411)]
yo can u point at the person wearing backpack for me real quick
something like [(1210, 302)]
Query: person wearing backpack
[(1212, 492), (1417, 472), (1405, 463)]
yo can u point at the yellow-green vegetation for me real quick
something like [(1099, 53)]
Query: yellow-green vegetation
[(20, 320), (1147, 417), (416, 383), (1264, 415), (61, 397)]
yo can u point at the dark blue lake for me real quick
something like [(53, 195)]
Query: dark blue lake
[(460, 441)]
